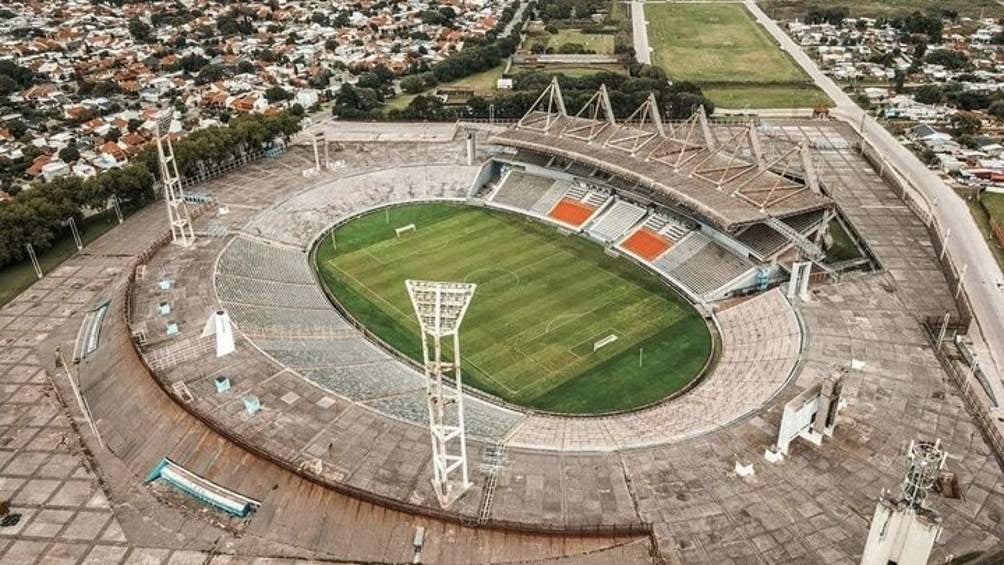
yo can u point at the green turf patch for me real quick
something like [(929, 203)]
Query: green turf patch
[(542, 301)]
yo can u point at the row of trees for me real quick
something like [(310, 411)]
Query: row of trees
[(676, 101), (37, 215)]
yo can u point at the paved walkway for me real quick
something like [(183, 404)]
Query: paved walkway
[(642, 51), (984, 282)]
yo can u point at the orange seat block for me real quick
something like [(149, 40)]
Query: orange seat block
[(572, 212), (646, 244)]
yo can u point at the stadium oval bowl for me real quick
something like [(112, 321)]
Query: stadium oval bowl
[(748, 370)]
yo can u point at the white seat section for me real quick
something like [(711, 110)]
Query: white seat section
[(521, 190), (683, 250), (621, 217), (710, 269), (596, 199), (550, 197)]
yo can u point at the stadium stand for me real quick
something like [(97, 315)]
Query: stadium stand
[(621, 217), (271, 291), (550, 198), (710, 268), (521, 190), (483, 420), (296, 325), (362, 382), (571, 212), (646, 244)]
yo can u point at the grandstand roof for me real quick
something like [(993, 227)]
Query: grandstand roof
[(730, 183)]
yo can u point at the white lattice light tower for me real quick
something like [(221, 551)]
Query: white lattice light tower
[(440, 308), (177, 211)]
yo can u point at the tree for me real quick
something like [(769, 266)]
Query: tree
[(412, 84), (69, 154), (277, 94), (226, 24), (210, 73), (140, 30), (965, 123), (947, 58), (7, 85), (929, 94), (897, 82), (997, 109)]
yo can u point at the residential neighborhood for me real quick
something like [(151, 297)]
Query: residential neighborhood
[(81, 81), (934, 79)]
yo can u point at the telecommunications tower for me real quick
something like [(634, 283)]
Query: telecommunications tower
[(174, 195), (904, 528), (440, 308)]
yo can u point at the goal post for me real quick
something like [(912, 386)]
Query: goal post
[(604, 342), (404, 229)]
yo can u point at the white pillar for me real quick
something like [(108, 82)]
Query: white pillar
[(219, 325)]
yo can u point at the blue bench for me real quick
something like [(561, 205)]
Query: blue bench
[(202, 489)]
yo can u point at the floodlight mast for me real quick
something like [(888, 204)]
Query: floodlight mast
[(440, 308), (174, 195)]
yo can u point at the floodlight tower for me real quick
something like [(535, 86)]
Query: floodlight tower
[(440, 308), (177, 211)]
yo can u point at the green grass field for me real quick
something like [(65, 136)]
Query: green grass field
[(722, 48), (600, 43), (481, 82), (542, 300), (16, 278)]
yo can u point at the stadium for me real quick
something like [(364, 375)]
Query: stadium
[(649, 313)]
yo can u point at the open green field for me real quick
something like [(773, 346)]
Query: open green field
[(542, 300), (722, 48), (990, 205), (600, 43), (715, 42), (483, 81), (766, 96), (15, 279), (575, 71)]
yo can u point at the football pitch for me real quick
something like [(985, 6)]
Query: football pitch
[(542, 301)]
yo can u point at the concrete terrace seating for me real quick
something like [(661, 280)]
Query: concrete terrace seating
[(709, 269), (271, 290), (521, 190), (296, 325), (766, 241), (617, 220), (550, 198), (679, 253), (482, 420), (298, 220)]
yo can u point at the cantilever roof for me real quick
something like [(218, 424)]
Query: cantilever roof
[(729, 183), (690, 191)]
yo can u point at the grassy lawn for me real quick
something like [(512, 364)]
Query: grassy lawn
[(600, 43), (992, 204), (722, 48), (715, 42), (14, 279), (570, 70), (843, 248), (542, 300), (482, 81), (791, 9), (767, 96)]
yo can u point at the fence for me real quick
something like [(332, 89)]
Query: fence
[(995, 228), (215, 171), (976, 406), (902, 188)]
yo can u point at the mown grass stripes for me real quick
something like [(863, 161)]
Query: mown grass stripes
[(541, 297)]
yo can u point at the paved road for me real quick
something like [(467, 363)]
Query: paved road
[(517, 17), (983, 282), (642, 52)]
